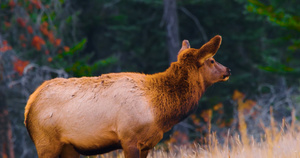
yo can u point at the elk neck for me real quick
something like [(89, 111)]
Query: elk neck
[(174, 94)]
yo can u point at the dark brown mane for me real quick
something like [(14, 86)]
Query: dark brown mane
[(174, 93)]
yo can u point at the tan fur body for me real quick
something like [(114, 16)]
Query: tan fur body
[(129, 111)]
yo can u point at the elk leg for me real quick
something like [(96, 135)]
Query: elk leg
[(68, 151), (47, 149), (131, 152), (144, 153)]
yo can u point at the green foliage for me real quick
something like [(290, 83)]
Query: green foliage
[(133, 35), (81, 66), (277, 15), (74, 50), (282, 61)]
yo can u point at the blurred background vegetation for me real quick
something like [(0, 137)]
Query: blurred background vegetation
[(44, 39)]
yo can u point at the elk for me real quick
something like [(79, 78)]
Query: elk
[(129, 111)]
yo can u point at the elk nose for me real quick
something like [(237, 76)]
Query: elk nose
[(229, 71)]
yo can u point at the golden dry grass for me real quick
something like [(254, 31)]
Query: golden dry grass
[(273, 144), (285, 146)]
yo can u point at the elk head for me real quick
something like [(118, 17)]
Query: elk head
[(201, 61)]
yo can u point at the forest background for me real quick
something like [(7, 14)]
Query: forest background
[(44, 39)]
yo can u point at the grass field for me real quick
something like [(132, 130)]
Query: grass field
[(280, 145), (283, 142)]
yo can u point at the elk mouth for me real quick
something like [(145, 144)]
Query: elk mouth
[(225, 77)]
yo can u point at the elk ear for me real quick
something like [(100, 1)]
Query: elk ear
[(185, 45), (209, 49)]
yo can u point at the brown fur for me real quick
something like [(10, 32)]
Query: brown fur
[(95, 115)]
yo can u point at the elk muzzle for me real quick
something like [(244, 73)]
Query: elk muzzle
[(226, 75)]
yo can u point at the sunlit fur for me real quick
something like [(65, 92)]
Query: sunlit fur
[(94, 115), (174, 93)]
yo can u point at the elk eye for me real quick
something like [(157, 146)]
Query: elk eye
[(212, 61)]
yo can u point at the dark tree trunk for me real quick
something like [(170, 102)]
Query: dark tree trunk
[(171, 22), (6, 143)]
